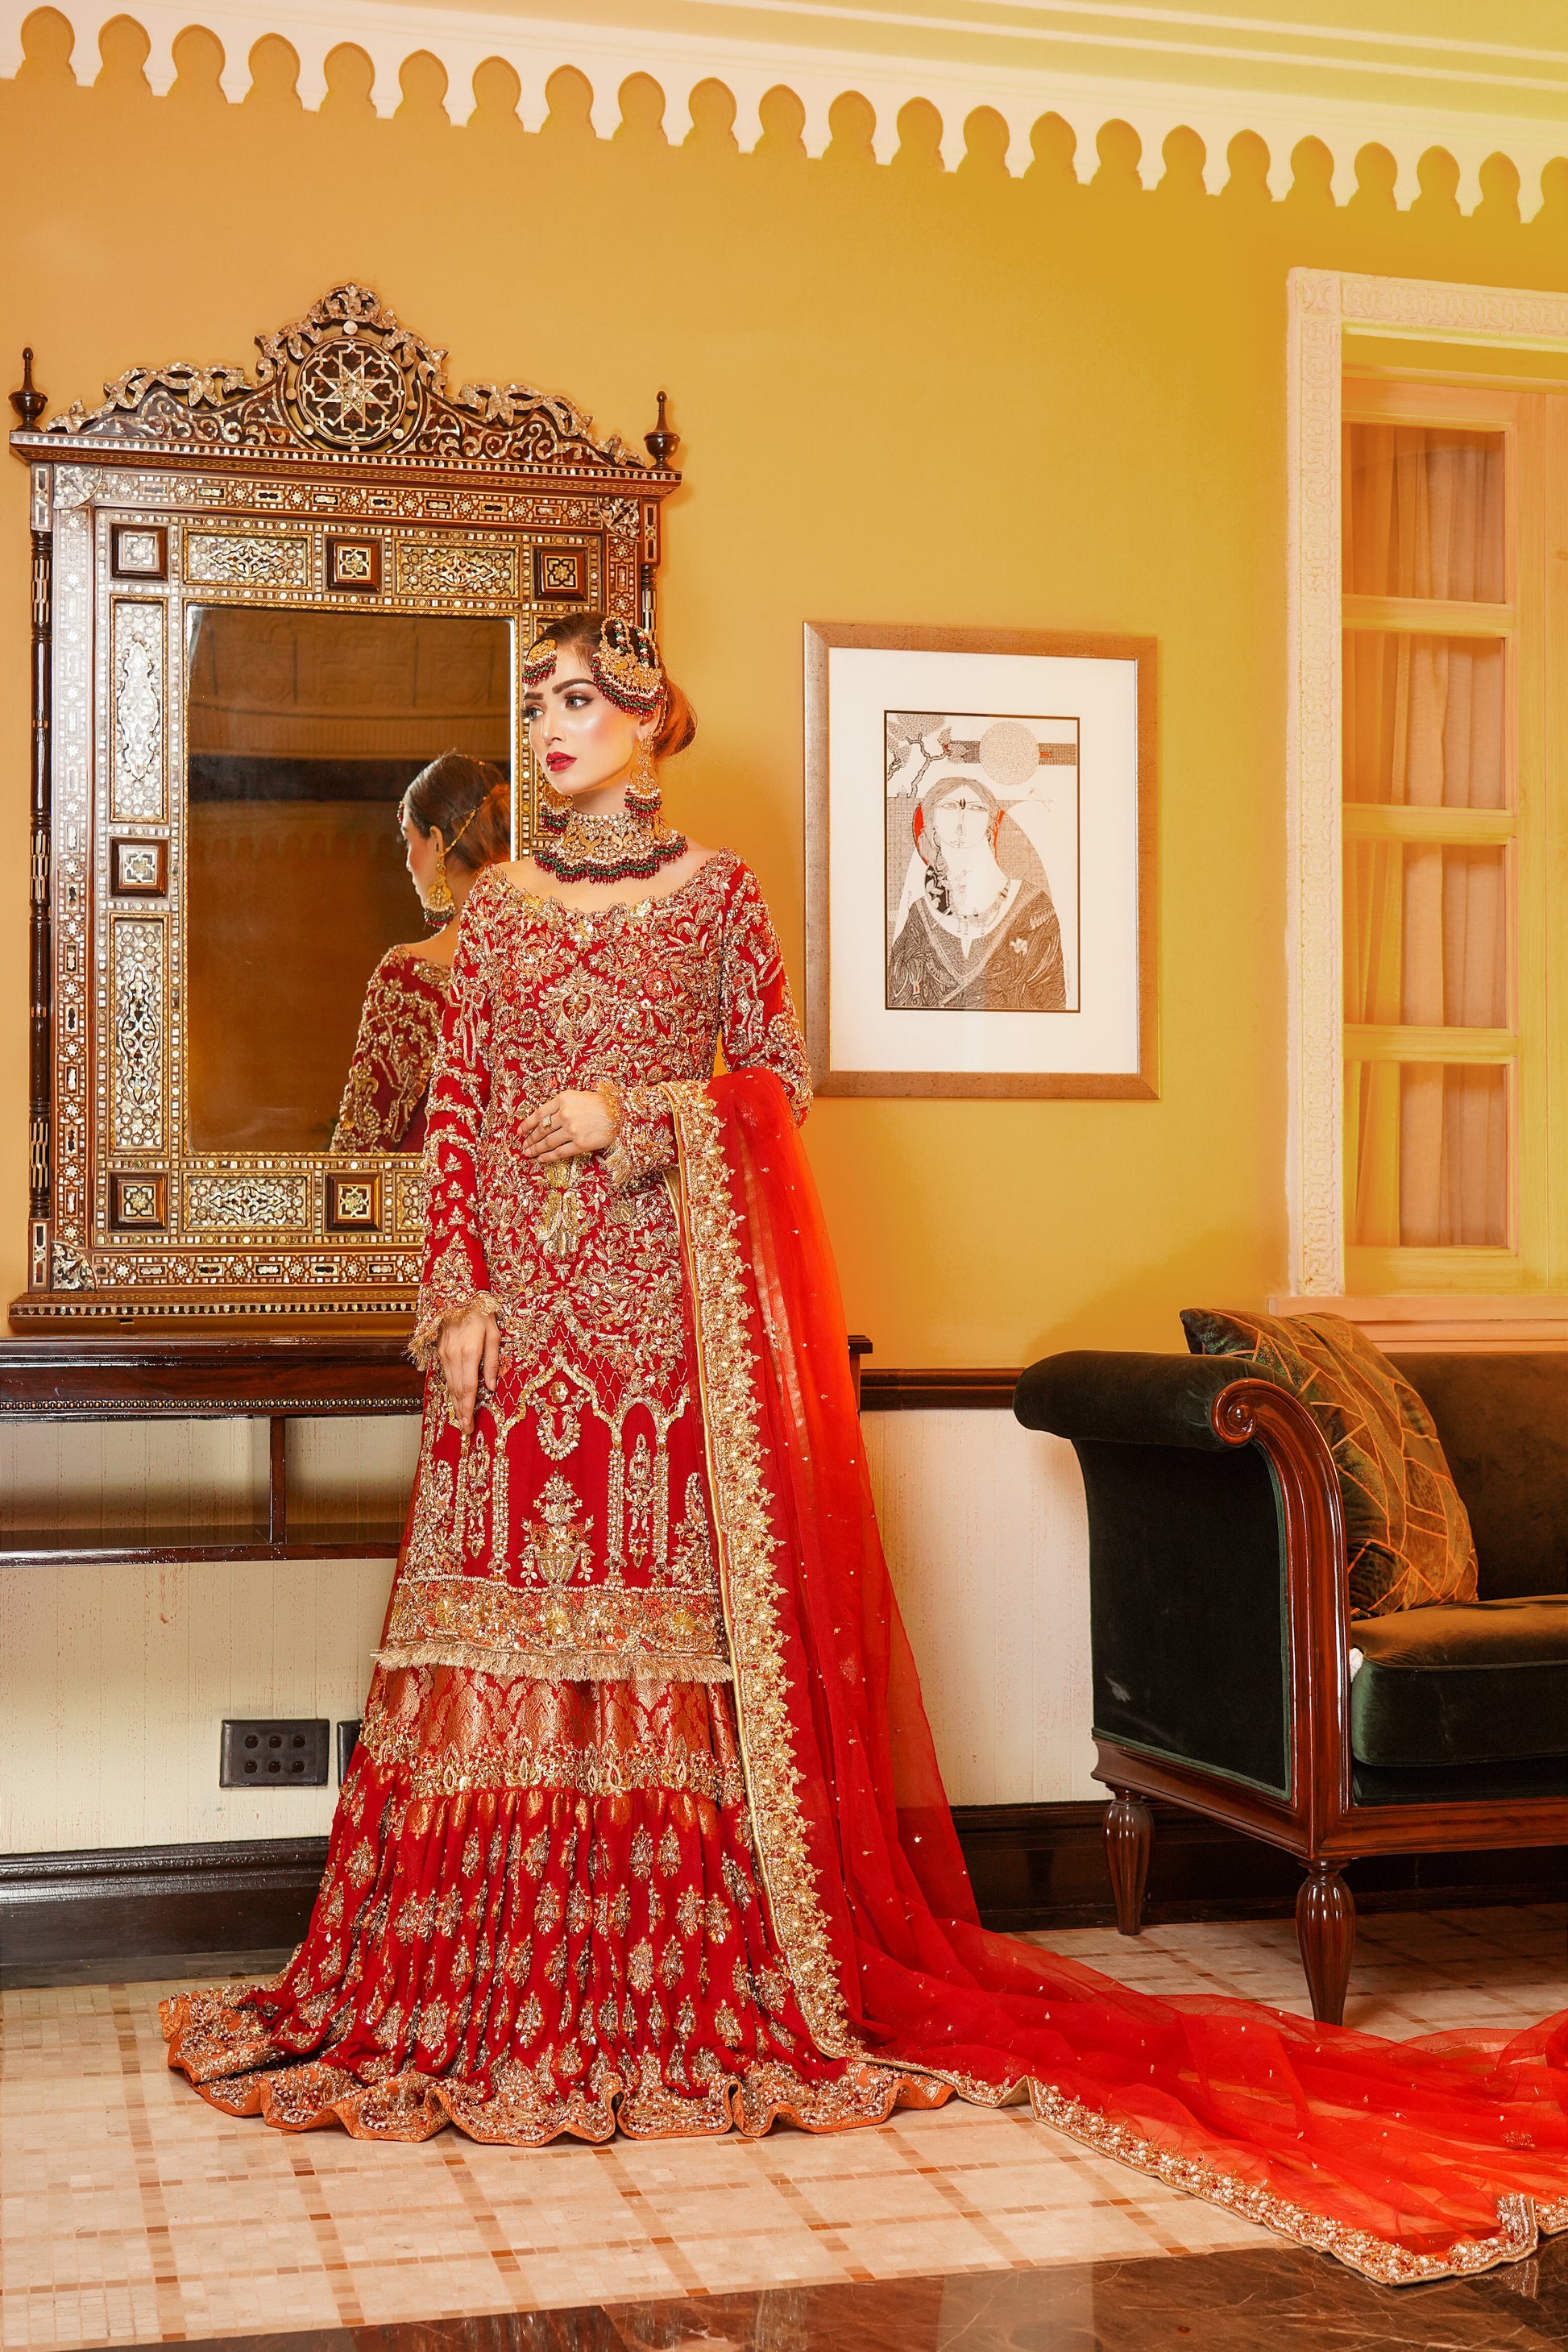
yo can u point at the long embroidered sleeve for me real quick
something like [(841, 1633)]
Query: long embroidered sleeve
[(758, 1030), (454, 1275), (383, 1107)]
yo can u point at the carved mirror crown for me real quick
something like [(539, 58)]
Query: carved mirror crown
[(262, 601)]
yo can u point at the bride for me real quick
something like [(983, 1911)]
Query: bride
[(644, 1830)]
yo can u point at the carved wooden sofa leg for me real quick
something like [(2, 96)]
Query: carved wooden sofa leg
[(1129, 1826), (1325, 1930)]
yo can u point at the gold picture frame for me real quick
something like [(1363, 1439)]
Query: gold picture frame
[(1049, 989)]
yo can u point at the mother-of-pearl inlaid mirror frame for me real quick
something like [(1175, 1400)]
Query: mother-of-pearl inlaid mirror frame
[(340, 473)]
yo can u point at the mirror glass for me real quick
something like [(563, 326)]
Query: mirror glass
[(302, 731)]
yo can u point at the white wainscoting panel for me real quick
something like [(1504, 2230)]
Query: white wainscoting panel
[(985, 1528), (113, 1681)]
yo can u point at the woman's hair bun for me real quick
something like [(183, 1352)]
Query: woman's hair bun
[(465, 797)]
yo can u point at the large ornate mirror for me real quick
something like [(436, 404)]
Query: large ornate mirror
[(262, 603)]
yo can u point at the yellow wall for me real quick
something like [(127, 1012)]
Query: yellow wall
[(905, 395)]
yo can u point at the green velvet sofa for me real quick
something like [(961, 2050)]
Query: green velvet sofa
[(1228, 1674)]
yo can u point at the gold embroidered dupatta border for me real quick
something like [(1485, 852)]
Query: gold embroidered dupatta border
[(730, 1388), (732, 1411)]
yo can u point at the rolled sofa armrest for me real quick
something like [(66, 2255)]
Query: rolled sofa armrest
[(1191, 1471), (1125, 1398)]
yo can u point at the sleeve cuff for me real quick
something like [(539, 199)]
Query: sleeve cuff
[(430, 1326), (643, 1144)]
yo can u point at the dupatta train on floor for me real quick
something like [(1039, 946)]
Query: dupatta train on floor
[(1408, 2160), (645, 1829)]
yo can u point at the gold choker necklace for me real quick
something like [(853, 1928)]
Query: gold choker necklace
[(621, 846)]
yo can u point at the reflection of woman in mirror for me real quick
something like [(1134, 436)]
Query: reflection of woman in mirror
[(644, 1830), (456, 820), (976, 938)]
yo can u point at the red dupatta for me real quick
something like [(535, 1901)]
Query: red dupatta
[(1407, 2160)]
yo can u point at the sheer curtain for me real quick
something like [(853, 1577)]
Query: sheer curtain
[(1426, 924)]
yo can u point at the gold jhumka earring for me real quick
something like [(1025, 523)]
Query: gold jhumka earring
[(439, 903), (644, 798)]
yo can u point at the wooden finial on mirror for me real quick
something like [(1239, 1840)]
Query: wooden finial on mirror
[(29, 403), (663, 442)]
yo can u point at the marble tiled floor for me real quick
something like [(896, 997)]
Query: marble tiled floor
[(1415, 1971), (1268, 2295), (132, 2212)]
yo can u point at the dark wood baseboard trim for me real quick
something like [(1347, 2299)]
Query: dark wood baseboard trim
[(1033, 1866), (1044, 1866), (124, 1902)]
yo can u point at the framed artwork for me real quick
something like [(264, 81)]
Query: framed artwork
[(980, 828)]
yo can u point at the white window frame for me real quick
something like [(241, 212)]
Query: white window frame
[(1324, 306)]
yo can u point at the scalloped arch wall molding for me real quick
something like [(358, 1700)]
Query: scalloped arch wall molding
[(1285, 77)]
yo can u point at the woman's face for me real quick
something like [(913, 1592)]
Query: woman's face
[(961, 822), (580, 740), (420, 853)]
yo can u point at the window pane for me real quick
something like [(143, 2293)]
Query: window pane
[(1425, 935), (1424, 512), (1426, 721), (1426, 1155)]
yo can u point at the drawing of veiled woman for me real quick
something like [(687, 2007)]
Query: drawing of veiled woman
[(980, 932)]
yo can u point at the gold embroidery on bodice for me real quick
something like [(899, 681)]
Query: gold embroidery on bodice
[(571, 1535)]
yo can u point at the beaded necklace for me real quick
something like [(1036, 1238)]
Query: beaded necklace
[(621, 846)]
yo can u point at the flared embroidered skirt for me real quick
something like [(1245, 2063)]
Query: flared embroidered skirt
[(531, 1961)]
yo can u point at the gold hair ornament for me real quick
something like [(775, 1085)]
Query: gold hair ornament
[(626, 669), (624, 666)]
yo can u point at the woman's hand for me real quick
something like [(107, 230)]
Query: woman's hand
[(468, 1349), (567, 1127)]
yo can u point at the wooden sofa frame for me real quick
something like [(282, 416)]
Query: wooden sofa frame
[(1321, 1821)]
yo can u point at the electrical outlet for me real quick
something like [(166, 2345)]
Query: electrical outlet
[(348, 1741), (273, 1754)]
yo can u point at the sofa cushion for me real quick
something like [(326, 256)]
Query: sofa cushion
[(1477, 1683), (1407, 1539)]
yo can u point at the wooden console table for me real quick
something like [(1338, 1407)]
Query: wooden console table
[(277, 1377)]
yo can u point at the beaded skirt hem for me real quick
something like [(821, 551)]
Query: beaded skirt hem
[(511, 2112)]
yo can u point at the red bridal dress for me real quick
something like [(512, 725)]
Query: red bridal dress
[(383, 1104), (644, 1830)]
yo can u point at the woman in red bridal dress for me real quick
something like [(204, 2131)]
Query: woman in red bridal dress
[(644, 1831), (455, 819)]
